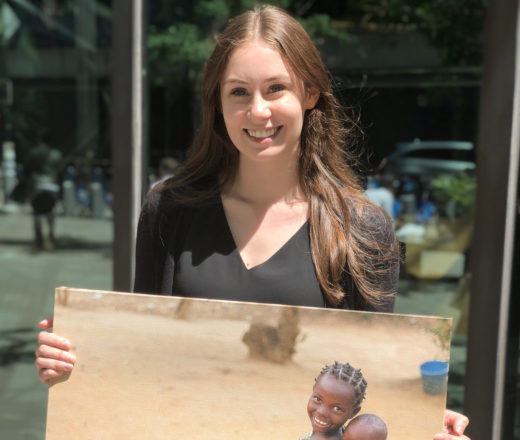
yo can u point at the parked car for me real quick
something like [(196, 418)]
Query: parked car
[(430, 158)]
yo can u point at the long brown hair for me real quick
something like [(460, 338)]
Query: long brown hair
[(341, 241)]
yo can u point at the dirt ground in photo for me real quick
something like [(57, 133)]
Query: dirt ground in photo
[(146, 375)]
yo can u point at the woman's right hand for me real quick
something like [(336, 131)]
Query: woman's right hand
[(53, 358)]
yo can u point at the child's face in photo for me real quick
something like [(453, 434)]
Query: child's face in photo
[(330, 404)]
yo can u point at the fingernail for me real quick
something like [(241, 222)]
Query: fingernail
[(68, 367)]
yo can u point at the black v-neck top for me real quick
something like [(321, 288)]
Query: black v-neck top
[(190, 251), (210, 266)]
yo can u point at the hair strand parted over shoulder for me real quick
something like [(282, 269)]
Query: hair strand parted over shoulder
[(346, 230)]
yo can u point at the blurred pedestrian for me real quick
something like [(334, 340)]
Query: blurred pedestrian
[(378, 191), (42, 169)]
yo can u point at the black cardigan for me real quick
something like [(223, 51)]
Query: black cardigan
[(162, 228)]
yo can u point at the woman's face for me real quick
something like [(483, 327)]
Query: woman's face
[(330, 404), (263, 103)]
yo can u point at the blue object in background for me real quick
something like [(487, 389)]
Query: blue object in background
[(434, 376), (426, 211)]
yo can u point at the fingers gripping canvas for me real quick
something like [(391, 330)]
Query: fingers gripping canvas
[(155, 367)]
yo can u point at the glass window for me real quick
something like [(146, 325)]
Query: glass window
[(411, 70), (417, 95), (55, 198)]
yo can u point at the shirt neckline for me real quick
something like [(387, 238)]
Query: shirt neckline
[(272, 257)]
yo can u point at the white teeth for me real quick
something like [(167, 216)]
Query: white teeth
[(319, 422), (261, 133)]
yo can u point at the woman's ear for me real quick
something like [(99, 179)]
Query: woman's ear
[(311, 98)]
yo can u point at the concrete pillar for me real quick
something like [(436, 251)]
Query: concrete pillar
[(128, 128)]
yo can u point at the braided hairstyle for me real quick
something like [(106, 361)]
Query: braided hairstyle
[(350, 375)]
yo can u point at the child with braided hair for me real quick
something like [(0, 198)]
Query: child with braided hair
[(336, 397)]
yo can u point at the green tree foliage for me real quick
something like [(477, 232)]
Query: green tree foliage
[(455, 193), (178, 49), (454, 27), (182, 34)]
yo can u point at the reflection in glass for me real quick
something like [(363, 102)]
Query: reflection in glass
[(55, 198), (412, 73)]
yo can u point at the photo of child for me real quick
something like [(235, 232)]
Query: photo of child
[(261, 368), (336, 397)]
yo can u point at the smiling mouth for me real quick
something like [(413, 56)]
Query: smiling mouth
[(320, 423), (263, 134)]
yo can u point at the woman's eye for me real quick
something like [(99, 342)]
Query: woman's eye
[(316, 399), (277, 88), (239, 92), (338, 409)]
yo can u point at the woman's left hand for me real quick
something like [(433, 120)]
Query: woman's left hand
[(454, 426)]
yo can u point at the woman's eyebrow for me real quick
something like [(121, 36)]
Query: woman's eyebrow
[(284, 78), (235, 80)]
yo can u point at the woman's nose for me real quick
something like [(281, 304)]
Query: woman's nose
[(259, 108)]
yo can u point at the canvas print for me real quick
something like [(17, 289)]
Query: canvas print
[(155, 367)]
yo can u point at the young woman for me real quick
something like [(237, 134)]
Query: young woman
[(266, 208)]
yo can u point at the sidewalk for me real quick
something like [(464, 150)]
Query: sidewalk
[(82, 258)]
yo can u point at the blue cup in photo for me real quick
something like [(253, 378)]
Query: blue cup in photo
[(434, 376)]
